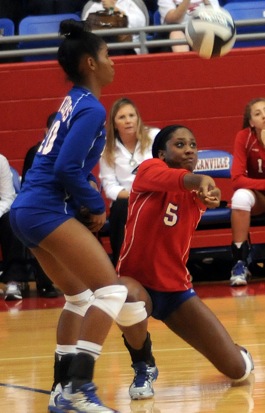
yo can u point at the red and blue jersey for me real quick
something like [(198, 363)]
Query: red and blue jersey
[(162, 218)]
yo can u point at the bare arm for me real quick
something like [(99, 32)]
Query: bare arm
[(205, 187), (177, 14), (123, 194)]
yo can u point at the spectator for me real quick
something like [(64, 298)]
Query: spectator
[(129, 142), (177, 12), (248, 178), (135, 10), (13, 257), (165, 206)]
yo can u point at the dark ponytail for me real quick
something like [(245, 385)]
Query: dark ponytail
[(78, 41)]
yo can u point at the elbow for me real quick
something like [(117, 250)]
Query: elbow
[(62, 173), (59, 173)]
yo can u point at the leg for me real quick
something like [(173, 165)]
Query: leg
[(13, 252), (61, 255), (240, 222), (242, 202), (178, 35), (16, 268), (137, 339), (95, 271), (135, 334), (195, 323)]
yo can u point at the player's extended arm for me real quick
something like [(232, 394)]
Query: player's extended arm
[(205, 187)]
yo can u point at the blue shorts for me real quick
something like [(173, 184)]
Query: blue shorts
[(32, 225), (164, 303)]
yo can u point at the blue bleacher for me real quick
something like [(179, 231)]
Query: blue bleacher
[(7, 27), (247, 10), (39, 25)]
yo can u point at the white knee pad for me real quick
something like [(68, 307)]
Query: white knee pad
[(249, 365), (110, 299), (131, 313), (243, 199), (79, 303)]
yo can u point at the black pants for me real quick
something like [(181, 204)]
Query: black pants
[(117, 219), (17, 262)]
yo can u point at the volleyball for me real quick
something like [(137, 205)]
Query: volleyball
[(211, 32)]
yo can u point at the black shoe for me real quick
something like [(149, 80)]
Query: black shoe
[(47, 291)]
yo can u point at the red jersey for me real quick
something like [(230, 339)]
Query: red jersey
[(248, 168), (162, 218)]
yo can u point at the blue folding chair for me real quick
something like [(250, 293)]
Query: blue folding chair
[(247, 10), (39, 25), (7, 27)]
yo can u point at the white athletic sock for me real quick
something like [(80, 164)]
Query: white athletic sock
[(62, 349)]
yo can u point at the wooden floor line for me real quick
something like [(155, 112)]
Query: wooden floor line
[(27, 358), (15, 386), (121, 352)]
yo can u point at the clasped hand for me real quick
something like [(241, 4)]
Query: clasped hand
[(93, 222), (208, 193)]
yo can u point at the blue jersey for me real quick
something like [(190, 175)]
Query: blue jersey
[(58, 178)]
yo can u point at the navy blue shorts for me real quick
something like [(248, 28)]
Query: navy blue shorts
[(32, 225), (164, 303)]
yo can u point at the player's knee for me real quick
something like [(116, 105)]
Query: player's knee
[(79, 303), (249, 366), (243, 199), (110, 299), (136, 292), (131, 313)]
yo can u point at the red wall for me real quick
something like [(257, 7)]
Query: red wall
[(207, 95)]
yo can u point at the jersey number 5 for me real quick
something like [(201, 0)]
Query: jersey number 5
[(171, 217)]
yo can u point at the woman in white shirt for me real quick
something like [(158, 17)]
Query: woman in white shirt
[(178, 12), (135, 10), (7, 191), (129, 142)]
